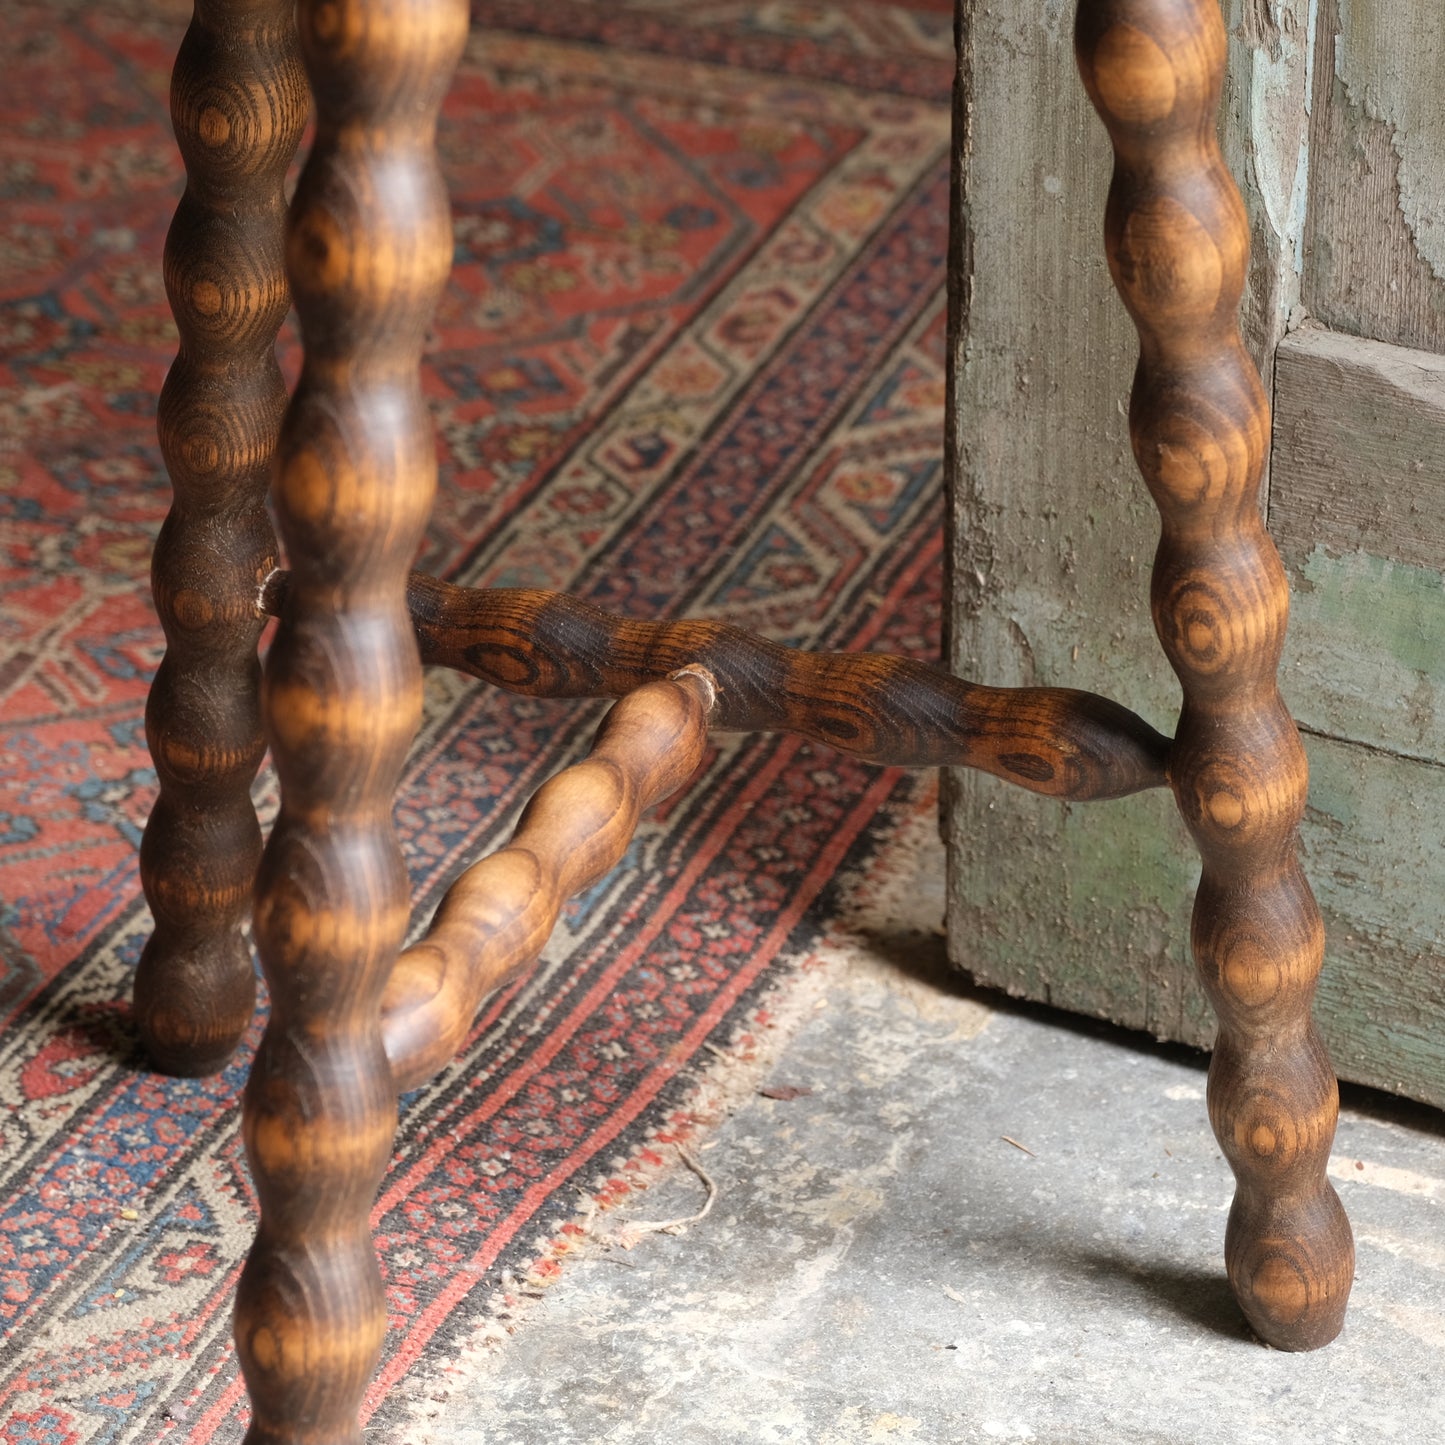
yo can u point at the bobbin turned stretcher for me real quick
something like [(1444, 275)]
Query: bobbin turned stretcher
[(366, 249)]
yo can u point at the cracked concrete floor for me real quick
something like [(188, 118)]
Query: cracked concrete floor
[(881, 1264)]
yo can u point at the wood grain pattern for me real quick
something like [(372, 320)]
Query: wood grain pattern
[(496, 917), (1178, 244), (1056, 741), (1376, 220), (1265, 141), (1359, 448), (1359, 517), (369, 245), (238, 102)]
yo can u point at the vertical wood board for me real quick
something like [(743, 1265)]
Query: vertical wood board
[(1375, 248)]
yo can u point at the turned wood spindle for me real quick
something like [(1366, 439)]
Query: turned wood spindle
[(895, 710), (369, 245), (1057, 741), (497, 916), (238, 103), (1178, 246)]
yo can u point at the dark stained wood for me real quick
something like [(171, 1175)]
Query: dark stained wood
[(1178, 250), (238, 102), (369, 245), (1056, 741), (496, 917)]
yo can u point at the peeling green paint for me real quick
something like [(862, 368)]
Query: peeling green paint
[(1390, 59), (1088, 909), (1363, 660)]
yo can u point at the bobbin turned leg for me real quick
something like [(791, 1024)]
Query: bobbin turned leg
[(238, 102), (1178, 247), (369, 243)]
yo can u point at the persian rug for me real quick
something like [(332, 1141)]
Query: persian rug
[(690, 362)]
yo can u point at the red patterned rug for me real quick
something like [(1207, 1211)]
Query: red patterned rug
[(691, 361)]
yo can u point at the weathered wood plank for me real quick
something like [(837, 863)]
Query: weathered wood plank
[(1114, 942), (1359, 448), (1363, 661), (1264, 133), (1050, 534), (1040, 472), (1050, 537), (1375, 262), (1358, 511), (1038, 443), (1373, 845)]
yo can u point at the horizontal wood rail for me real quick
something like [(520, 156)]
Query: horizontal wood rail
[(496, 918), (1051, 740)]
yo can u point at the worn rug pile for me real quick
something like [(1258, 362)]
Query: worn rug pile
[(690, 362)]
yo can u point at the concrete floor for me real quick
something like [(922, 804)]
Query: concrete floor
[(881, 1264)]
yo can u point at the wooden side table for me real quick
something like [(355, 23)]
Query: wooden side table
[(366, 250)]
